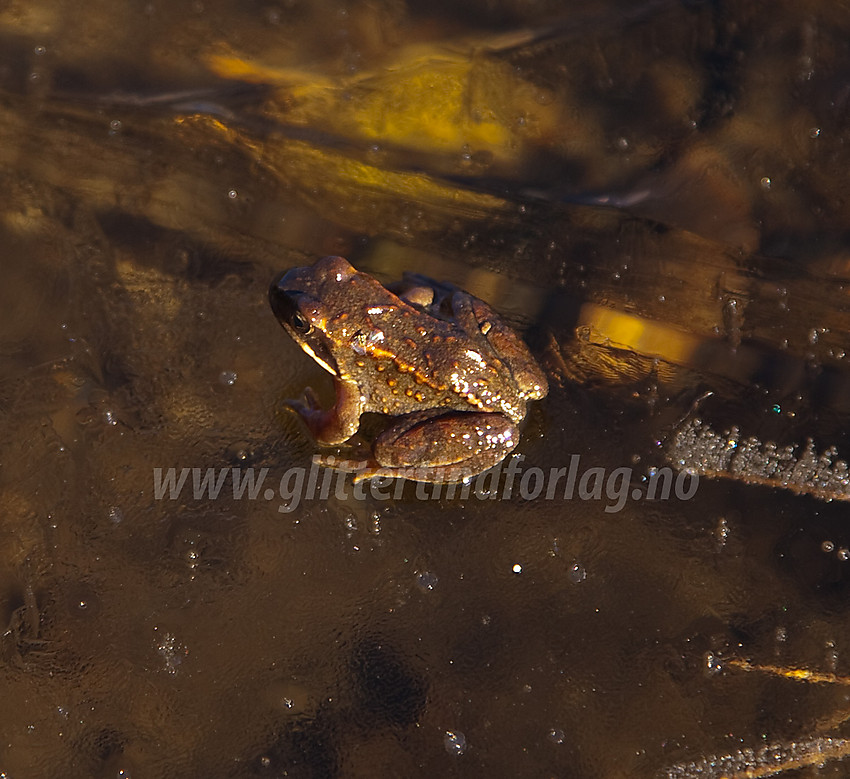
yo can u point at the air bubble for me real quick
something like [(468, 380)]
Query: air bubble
[(239, 452), (454, 742), (426, 581), (721, 532), (712, 663)]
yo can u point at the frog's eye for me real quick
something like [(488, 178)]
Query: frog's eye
[(300, 323)]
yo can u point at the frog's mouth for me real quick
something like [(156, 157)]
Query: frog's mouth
[(312, 352)]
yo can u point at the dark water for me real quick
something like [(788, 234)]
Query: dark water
[(654, 193)]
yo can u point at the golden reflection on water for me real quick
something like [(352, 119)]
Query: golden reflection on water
[(653, 192)]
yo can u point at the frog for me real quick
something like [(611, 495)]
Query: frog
[(453, 378)]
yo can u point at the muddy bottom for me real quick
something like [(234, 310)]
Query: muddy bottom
[(654, 584)]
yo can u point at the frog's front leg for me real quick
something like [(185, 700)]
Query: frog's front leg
[(434, 446), (336, 424)]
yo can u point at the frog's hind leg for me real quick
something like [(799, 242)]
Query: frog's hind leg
[(446, 447)]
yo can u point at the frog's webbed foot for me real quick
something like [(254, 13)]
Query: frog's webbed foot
[(363, 468), (336, 424), (369, 468), (307, 406), (309, 402)]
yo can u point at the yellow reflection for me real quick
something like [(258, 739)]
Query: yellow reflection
[(606, 326), (228, 65), (796, 674), (329, 175), (429, 99)]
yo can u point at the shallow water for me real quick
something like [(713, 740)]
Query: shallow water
[(654, 194)]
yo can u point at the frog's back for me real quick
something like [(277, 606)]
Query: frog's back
[(434, 364)]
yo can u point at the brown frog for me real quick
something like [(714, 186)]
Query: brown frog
[(455, 378)]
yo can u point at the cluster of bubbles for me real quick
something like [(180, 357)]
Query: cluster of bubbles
[(697, 448)]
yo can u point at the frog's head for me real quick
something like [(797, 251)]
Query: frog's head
[(297, 301), (315, 306)]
